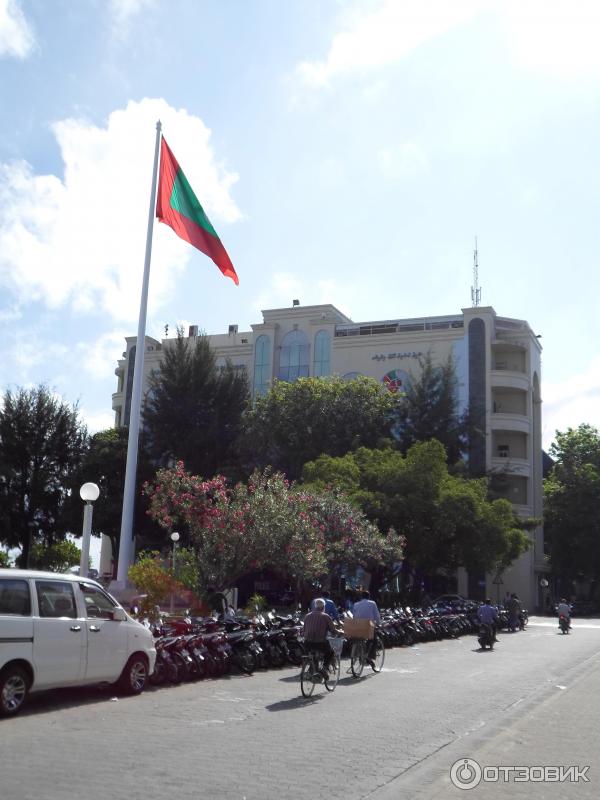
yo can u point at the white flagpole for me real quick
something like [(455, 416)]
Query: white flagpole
[(126, 542)]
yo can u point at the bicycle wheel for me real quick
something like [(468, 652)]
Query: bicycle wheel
[(378, 655), (357, 659), (333, 675), (307, 684)]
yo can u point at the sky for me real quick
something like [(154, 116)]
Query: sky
[(345, 152)]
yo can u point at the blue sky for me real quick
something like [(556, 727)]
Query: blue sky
[(346, 152)]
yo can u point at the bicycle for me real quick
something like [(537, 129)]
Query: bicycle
[(358, 655), (313, 669)]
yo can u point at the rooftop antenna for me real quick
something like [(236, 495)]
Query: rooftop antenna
[(475, 289)]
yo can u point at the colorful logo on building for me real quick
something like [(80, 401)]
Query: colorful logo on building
[(396, 381)]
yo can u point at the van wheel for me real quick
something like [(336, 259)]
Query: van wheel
[(14, 685), (134, 677)]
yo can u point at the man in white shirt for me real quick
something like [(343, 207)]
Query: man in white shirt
[(366, 608)]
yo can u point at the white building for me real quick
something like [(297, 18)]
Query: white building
[(497, 362)]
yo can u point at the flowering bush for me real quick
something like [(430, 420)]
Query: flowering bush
[(149, 576), (265, 523)]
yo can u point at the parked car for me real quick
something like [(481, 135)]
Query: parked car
[(450, 600), (62, 630)]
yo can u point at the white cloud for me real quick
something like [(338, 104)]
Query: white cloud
[(80, 239), (571, 402), (16, 37), (374, 39), (403, 161), (554, 36), (123, 12), (99, 358), (97, 421), (283, 289)]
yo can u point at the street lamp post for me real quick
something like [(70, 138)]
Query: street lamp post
[(174, 539), (89, 493)]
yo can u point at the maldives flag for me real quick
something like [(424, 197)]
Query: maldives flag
[(178, 207)]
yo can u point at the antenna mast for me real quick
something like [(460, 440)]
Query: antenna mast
[(475, 289)]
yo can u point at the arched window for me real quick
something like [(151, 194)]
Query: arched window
[(293, 360), (322, 350), (262, 365)]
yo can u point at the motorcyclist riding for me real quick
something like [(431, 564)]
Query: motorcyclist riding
[(564, 610), (488, 615)]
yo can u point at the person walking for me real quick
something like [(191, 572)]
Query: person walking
[(514, 609)]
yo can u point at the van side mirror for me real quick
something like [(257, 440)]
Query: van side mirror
[(119, 615)]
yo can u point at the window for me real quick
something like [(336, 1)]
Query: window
[(322, 350), (503, 451), (293, 359), (262, 365), (56, 599), (97, 602), (14, 597)]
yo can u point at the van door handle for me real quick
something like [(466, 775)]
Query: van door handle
[(75, 628), (94, 629)]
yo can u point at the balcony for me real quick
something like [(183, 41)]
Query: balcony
[(509, 379), (513, 466)]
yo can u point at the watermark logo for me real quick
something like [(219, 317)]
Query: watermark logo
[(466, 773)]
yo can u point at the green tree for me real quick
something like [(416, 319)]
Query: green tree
[(194, 409), (447, 521), (42, 442), (571, 501), (296, 422), (58, 557), (5, 561), (429, 409)]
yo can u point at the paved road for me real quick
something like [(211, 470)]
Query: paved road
[(384, 737)]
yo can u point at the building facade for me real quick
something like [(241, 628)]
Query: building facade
[(497, 361)]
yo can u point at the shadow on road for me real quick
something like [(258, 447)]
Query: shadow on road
[(290, 678), (60, 699), (295, 702)]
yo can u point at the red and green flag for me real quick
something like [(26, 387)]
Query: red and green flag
[(178, 207)]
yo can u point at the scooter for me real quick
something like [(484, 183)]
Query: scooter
[(564, 623), (486, 637)]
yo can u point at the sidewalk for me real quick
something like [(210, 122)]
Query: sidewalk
[(558, 727)]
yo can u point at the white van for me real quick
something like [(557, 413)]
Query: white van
[(61, 630)]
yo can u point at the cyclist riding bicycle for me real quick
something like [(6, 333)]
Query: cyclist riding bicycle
[(366, 608), (317, 624)]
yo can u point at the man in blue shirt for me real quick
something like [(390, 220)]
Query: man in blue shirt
[(488, 615), (330, 608)]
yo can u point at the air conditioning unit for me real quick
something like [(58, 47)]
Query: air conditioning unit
[(233, 329), (193, 331)]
